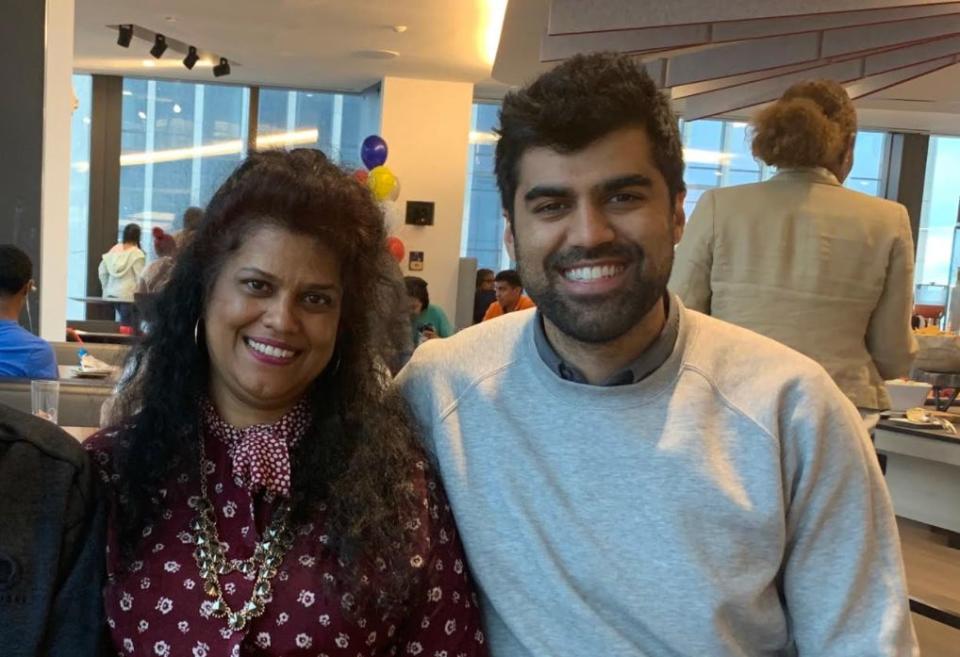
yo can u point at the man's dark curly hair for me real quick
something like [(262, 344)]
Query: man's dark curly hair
[(578, 102), (360, 455)]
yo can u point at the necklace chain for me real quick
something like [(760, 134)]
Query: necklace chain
[(211, 557)]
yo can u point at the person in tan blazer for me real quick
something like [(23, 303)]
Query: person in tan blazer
[(801, 259)]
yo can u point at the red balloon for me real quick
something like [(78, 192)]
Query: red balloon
[(396, 248), (361, 176)]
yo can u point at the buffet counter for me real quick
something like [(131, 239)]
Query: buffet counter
[(922, 473)]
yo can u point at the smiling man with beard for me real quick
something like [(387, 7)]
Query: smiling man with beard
[(632, 478)]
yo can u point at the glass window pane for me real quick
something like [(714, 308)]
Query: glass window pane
[(483, 232), (737, 147), (79, 195), (312, 119), (703, 135), (179, 142), (937, 256), (869, 155)]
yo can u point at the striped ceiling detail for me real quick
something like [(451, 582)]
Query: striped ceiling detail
[(724, 56)]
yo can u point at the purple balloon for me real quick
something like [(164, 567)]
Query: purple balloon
[(373, 151)]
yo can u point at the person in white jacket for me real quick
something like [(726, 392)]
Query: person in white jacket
[(119, 272), (801, 259)]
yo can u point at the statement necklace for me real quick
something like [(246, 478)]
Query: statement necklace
[(210, 555)]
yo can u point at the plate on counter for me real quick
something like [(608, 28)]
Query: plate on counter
[(91, 374)]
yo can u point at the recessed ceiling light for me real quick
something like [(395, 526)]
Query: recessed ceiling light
[(149, 63), (399, 29)]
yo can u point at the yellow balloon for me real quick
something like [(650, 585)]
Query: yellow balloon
[(381, 182)]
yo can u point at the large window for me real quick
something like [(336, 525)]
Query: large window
[(179, 141), (717, 154), (312, 119), (79, 195), (482, 236), (938, 255)]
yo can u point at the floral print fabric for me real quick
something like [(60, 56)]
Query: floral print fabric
[(156, 607)]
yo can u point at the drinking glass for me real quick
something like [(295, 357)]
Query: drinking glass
[(45, 399)]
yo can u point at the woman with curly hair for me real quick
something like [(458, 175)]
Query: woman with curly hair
[(266, 492), (803, 260)]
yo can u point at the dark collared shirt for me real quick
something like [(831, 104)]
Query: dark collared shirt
[(647, 363)]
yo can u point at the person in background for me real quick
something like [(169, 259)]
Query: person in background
[(155, 274), (801, 259), (510, 297), (189, 223), (484, 294), (427, 321), (22, 354), (631, 477), (51, 542), (267, 493), (120, 270)]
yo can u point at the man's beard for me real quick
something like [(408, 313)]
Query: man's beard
[(603, 317)]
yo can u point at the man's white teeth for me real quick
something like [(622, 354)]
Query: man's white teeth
[(593, 273), (269, 350)]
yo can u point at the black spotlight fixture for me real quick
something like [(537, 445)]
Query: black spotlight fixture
[(221, 69), (191, 59), (159, 46), (124, 35)]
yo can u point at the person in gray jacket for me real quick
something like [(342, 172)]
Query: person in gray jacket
[(51, 542)]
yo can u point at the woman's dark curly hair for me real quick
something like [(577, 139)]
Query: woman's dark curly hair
[(359, 456)]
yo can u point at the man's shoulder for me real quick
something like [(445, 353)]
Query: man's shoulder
[(46, 439), (754, 372), (470, 355)]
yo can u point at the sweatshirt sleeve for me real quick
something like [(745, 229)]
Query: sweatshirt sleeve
[(692, 264), (889, 336), (138, 264), (843, 580)]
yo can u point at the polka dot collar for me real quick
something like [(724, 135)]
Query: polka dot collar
[(260, 453)]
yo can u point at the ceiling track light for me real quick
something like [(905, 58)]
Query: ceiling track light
[(124, 35), (191, 59), (159, 46), (221, 69)]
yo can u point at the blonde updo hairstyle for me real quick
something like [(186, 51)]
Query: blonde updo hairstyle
[(812, 125)]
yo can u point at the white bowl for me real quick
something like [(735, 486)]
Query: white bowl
[(907, 394)]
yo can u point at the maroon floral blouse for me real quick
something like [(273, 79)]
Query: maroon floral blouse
[(157, 608)]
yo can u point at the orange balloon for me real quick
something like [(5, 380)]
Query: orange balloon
[(396, 248)]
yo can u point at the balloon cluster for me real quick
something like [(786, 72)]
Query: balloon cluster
[(383, 184), (378, 177)]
